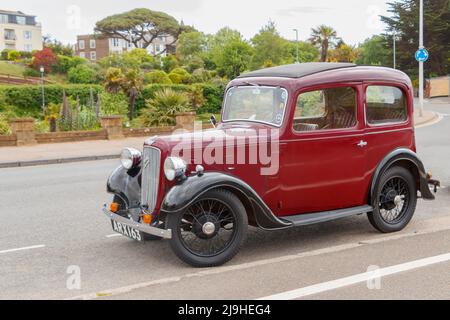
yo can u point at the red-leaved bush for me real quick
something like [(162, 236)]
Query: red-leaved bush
[(45, 58)]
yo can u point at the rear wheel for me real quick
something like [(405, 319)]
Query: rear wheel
[(211, 231), (395, 201)]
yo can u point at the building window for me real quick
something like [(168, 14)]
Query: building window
[(116, 42), (21, 20), (3, 18), (92, 44), (81, 44), (385, 105), (82, 55), (10, 34), (327, 109), (93, 55), (28, 48), (158, 48), (27, 35)]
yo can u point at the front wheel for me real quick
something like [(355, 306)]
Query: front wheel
[(395, 201), (211, 231)]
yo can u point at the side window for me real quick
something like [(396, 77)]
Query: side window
[(327, 109), (385, 104)]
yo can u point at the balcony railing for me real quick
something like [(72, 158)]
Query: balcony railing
[(10, 37)]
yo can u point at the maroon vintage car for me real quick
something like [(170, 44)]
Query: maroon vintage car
[(296, 145)]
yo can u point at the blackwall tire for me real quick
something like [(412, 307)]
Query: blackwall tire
[(184, 228), (396, 184)]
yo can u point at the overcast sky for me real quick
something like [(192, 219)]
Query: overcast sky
[(354, 20)]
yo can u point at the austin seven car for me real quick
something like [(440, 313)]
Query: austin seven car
[(295, 145)]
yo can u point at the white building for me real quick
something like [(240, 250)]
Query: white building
[(19, 31)]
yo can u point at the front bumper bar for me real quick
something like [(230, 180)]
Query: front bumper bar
[(165, 234)]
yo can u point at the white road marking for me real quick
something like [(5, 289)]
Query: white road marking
[(443, 226), (22, 249), (116, 235), (362, 277)]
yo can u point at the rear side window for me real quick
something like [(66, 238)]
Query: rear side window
[(327, 109), (385, 105)]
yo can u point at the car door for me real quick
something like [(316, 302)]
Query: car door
[(389, 122), (323, 159)]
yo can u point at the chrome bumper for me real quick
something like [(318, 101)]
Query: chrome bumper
[(165, 234)]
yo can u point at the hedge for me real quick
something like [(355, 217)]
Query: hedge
[(27, 100)]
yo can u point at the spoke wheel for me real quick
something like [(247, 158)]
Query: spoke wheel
[(208, 227), (395, 201), (211, 231)]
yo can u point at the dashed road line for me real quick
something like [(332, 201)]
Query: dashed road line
[(114, 236), (358, 278), (22, 249)]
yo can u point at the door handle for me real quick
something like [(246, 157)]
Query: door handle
[(362, 144)]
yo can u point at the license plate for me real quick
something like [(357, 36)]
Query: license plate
[(127, 231)]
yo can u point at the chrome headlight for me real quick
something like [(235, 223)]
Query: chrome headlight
[(130, 158), (174, 168)]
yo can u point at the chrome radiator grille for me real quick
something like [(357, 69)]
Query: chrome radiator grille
[(150, 177)]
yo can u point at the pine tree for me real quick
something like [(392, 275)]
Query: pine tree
[(405, 21)]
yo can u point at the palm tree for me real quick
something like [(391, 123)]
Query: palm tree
[(132, 86), (323, 36)]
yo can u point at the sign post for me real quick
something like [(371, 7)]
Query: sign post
[(421, 58)]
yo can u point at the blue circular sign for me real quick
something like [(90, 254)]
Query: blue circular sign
[(422, 55)]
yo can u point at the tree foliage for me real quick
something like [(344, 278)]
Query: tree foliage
[(343, 53), (374, 52), (45, 58), (405, 21), (270, 47), (139, 26)]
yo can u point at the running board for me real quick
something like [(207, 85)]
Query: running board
[(313, 218)]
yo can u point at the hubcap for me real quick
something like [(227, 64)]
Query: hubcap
[(394, 200), (209, 228), (398, 200)]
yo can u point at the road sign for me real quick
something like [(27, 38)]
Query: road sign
[(422, 55)]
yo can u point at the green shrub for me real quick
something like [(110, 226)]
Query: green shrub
[(157, 76), (27, 100), (113, 104), (201, 76), (180, 75), (82, 74), (4, 54), (213, 95), (4, 126), (213, 98), (66, 63), (14, 55), (161, 109), (176, 78), (29, 72)]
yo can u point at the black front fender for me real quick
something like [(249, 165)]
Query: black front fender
[(411, 158), (187, 192), (126, 185)]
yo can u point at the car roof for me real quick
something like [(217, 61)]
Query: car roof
[(320, 73), (296, 71)]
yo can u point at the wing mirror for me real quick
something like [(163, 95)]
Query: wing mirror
[(213, 121)]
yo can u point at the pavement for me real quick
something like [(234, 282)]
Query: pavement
[(56, 244), (44, 154)]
